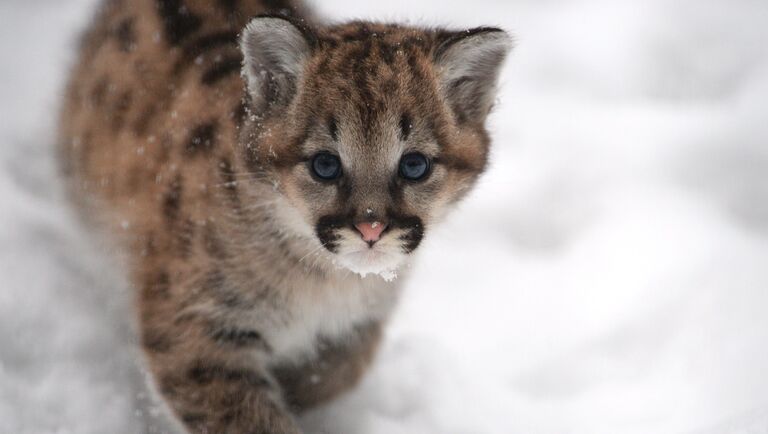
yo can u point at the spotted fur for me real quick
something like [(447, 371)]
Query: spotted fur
[(188, 132)]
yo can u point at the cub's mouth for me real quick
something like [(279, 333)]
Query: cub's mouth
[(370, 245)]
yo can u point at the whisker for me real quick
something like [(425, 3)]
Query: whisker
[(315, 250)]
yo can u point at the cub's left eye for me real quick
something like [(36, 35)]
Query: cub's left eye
[(326, 166), (414, 166)]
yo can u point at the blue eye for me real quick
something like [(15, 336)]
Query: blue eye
[(414, 166), (326, 166)]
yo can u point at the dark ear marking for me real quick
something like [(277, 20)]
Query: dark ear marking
[(309, 34), (449, 38), (468, 65)]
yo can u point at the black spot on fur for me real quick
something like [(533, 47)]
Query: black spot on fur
[(172, 201), (205, 44), (178, 21), (240, 338), (201, 140), (203, 373), (225, 67), (126, 35)]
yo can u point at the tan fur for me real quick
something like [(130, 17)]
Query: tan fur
[(244, 314)]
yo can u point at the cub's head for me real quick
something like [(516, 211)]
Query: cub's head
[(369, 131)]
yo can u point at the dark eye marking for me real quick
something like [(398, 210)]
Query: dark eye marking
[(414, 166), (405, 126), (326, 166), (333, 129)]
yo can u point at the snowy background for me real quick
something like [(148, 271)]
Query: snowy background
[(610, 274)]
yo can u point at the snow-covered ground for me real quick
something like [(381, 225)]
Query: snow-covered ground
[(610, 275)]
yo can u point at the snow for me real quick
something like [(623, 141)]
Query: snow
[(609, 275)]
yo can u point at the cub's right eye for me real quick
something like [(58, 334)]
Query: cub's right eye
[(326, 166)]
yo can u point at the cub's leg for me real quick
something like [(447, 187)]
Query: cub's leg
[(337, 368), (211, 374)]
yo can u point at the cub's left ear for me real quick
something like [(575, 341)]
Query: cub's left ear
[(468, 65), (275, 50)]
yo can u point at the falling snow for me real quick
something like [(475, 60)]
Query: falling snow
[(608, 275)]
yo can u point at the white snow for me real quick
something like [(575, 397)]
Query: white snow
[(609, 275)]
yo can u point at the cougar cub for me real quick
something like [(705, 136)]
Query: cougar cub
[(267, 175)]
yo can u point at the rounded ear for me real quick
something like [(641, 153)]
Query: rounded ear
[(468, 65), (274, 53)]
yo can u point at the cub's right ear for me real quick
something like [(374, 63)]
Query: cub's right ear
[(469, 63), (275, 51)]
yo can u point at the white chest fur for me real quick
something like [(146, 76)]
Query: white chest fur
[(329, 309)]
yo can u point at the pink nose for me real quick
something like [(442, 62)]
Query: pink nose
[(370, 231)]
